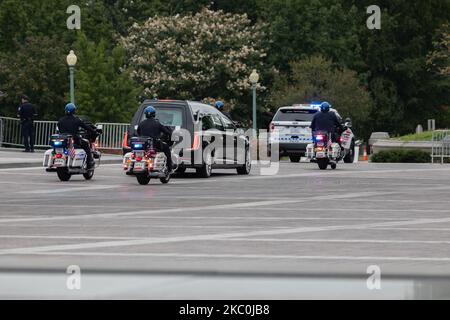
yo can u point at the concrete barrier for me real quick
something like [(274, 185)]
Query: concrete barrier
[(386, 145)]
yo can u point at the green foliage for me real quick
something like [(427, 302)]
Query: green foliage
[(424, 136), (303, 28), (401, 156), (209, 54), (404, 90), (439, 59), (403, 66), (315, 79), (37, 69), (105, 92)]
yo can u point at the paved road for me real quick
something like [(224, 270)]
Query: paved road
[(302, 233)]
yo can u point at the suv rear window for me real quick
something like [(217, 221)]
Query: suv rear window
[(168, 116), (294, 115)]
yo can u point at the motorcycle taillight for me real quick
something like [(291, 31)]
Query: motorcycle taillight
[(319, 137), (151, 153)]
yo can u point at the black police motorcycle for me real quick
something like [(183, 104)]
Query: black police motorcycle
[(67, 159), (145, 162)]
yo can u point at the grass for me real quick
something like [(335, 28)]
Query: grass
[(424, 136)]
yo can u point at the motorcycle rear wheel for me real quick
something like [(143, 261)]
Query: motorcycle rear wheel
[(88, 175), (63, 174), (322, 163), (165, 180), (350, 157), (143, 178)]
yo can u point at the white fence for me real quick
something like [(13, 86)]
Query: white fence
[(113, 134), (441, 145), (10, 133)]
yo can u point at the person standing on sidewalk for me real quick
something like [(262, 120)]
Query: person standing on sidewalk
[(27, 114)]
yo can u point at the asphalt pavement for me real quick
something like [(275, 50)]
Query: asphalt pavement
[(301, 233)]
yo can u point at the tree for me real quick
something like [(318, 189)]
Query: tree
[(439, 59), (301, 28), (439, 65), (404, 90), (105, 91), (316, 79), (208, 54), (37, 69)]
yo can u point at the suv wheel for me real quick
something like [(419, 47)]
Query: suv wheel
[(295, 158), (206, 168), (350, 157), (247, 167)]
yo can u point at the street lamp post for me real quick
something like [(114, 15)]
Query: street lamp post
[(71, 62), (254, 78)]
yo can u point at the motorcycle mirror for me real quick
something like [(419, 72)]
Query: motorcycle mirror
[(348, 122)]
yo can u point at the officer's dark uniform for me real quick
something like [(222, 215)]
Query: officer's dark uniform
[(26, 113), (227, 114), (326, 121), (153, 128), (70, 124)]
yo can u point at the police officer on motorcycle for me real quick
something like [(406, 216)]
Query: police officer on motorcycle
[(151, 127), (327, 121), (70, 124)]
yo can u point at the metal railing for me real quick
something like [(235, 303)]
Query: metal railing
[(42, 132), (440, 145), (10, 132), (113, 134), (11, 135)]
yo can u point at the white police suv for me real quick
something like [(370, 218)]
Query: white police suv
[(292, 124)]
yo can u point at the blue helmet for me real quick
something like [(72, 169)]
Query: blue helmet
[(325, 107), (150, 112), (70, 108), (219, 105)]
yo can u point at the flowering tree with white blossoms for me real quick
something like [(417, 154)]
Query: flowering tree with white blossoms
[(209, 54)]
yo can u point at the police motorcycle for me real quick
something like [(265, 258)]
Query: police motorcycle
[(145, 162), (67, 159), (325, 152)]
